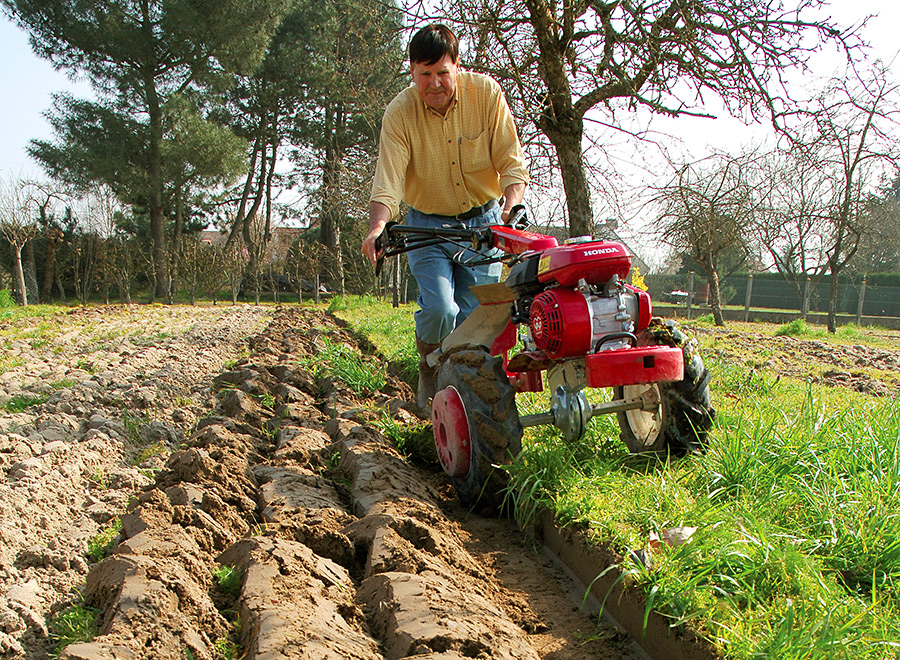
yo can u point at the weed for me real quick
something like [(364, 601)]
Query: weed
[(133, 425), (99, 479), (231, 363), (225, 649), (21, 402), (705, 319), (7, 363), (361, 375), (148, 339), (798, 328), (415, 441), (228, 579), (389, 329), (63, 383), (338, 303), (156, 449), (263, 529), (101, 544), (267, 399), (86, 365), (6, 299), (76, 623), (848, 331)]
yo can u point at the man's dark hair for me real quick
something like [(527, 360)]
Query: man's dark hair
[(431, 43)]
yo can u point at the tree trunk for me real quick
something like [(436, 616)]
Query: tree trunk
[(20, 276), (176, 245), (53, 238), (566, 138), (715, 297), (30, 272), (560, 120), (832, 303), (331, 192), (60, 288), (155, 192)]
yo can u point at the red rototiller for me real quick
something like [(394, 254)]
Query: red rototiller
[(581, 325)]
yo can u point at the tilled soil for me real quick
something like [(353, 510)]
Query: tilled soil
[(343, 548), (864, 369)]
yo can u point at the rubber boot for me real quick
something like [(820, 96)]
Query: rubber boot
[(426, 376)]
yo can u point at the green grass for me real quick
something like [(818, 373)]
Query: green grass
[(797, 507), (415, 442), (389, 329), (802, 329), (21, 402), (796, 504), (228, 579), (63, 383), (101, 544), (362, 375), (76, 623)]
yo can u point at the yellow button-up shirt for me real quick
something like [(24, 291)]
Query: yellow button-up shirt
[(448, 164)]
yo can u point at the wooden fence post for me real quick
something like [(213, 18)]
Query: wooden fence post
[(690, 299), (747, 300), (395, 298), (862, 300), (804, 309)]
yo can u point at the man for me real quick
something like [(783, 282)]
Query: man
[(448, 149)]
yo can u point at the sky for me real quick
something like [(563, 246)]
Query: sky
[(29, 82)]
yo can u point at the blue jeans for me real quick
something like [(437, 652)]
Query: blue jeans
[(445, 298)]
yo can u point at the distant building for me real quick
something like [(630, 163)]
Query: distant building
[(282, 239)]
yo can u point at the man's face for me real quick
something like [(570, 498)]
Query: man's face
[(436, 83)]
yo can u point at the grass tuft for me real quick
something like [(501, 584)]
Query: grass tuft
[(228, 579), (415, 441), (101, 544), (21, 402), (76, 623), (361, 375), (798, 328)]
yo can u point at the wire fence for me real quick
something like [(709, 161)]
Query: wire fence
[(860, 299)]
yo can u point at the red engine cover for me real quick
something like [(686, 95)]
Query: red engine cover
[(596, 262), (561, 323)]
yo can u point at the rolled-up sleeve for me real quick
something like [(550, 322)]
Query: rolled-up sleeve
[(506, 150), (393, 160)]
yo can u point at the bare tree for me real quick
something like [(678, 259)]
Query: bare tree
[(18, 224), (791, 222), (706, 210), (568, 62), (851, 134), (880, 248)]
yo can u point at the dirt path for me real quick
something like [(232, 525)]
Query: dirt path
[(341, 547)]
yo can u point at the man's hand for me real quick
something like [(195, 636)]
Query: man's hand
[(512, 196), (368, 246), (379, 214)]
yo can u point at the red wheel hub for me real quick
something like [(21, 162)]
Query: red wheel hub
[(451, 432)]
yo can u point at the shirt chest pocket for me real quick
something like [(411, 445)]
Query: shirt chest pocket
[(475, 153)]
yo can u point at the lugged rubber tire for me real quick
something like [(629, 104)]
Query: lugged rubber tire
[(686, 413), (495, 432)]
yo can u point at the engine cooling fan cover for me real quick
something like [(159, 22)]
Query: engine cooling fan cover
[(561, 323)]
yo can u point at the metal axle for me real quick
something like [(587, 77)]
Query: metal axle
[(647, 400)]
